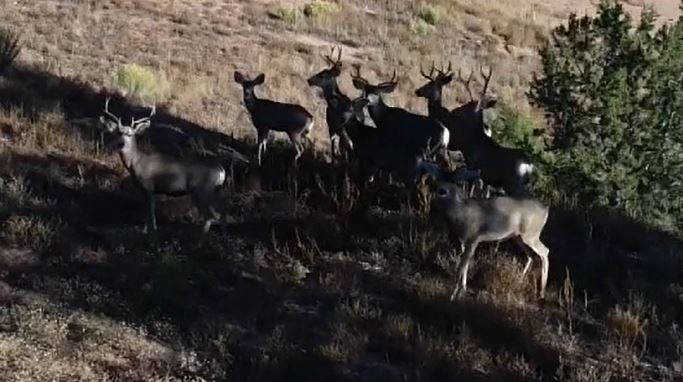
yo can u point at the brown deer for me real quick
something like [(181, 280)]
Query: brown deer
[(267, 115), (158, 173), (472, 221)]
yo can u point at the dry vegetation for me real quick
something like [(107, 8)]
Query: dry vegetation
[(312, 279)]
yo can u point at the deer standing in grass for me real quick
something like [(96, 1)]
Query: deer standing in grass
[(500, 166), (472, 221), (268, 115), (339, 112), (408, 135), (157, 173)]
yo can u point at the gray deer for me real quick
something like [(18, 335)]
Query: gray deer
[(268, 115), (158, 173), (472, 221)]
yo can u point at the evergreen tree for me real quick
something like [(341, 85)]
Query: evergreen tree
[(613, 96)]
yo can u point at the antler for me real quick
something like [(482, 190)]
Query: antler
[(137, 124), (466, 83), (487, 79), (431, 72), (357, 75), (108, 113), (443, 73), (392, 81), (329, 59)]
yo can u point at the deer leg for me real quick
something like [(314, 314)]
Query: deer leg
[(335, 145), (205, 200), (298, 147), (151, 216), (470, 246), (535, 246), (262, 140)]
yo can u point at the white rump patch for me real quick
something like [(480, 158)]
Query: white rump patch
[(525, 169), (487, 131), (221, 177), (446, 137)]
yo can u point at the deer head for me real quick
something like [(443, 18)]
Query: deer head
[(471, 114), (249, 85), (432, 89), (327, 77), (114, 124), (373, 93)]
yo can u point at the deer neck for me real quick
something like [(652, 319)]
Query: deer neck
[(250, 100), (435, 108), (379, 110), (129, 153), (331, 91)]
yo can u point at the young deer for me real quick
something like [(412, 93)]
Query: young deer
[(157, 173), (339, 108), (472, 221), (500, 166), (268, 115)]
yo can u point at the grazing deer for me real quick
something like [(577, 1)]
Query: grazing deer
[(414, 134), (339, 108), (472, 221), (268, 115), (157, 173), (500, 166)]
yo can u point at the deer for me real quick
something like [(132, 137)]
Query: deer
[(473, 221), (500, 166), (432, 91), (339, 112), (267, 115), (411, 133), (157, 173)]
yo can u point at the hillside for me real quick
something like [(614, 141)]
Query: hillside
[(297, 285)]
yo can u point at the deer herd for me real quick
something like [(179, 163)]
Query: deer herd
[(377, 137)]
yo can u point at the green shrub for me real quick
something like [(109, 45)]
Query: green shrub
[(9, 48), (142, 83), (321, 10), (431, 14), (613, 96), (421, 28), (289, 14)]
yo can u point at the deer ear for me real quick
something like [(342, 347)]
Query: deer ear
[(447, 79), (336, 70), (259, 79), (489, 103), (239, 77), (358, 84)]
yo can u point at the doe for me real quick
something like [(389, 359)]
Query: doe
[(472, 221), (268, 115)]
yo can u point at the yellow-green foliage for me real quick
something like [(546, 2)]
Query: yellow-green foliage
[(321, 10), (289, 14), (431, 14), (421, 27), (142, 82)]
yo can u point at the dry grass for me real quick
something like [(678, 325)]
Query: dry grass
[(313, 277)]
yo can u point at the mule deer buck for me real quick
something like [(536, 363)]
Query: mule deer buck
[(472, 221), (158, 173), (500, 166), (432, 91), (339, 112), (414, 134), (268, 115)]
